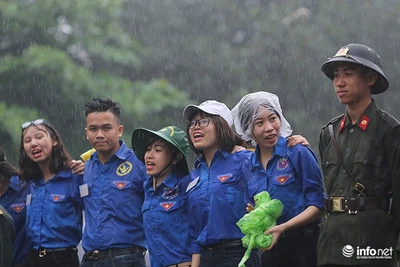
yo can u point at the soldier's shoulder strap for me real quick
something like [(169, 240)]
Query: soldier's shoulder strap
[(390, 120), (335, 119)]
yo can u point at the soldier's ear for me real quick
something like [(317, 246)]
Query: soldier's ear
[(372, 76)]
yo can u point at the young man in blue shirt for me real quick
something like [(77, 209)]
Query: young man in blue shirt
[(112, 191)]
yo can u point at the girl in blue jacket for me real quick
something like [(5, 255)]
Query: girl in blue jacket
[(54, 205), (165, 215), (290, 174), (218, 190)]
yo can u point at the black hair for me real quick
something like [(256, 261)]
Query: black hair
[(103, 105), (226, 137), (6, 169), (60, 158)]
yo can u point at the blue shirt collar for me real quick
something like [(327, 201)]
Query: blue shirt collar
[(15, 183), (170, 182), (122, 152), (202, 160)]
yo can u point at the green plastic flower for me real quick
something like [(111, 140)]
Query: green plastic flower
[(256, 222)]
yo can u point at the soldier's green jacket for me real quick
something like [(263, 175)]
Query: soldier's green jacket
[(7, 238), (371, 150)]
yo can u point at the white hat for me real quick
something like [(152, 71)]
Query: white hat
[(211, 107), (248, 109)]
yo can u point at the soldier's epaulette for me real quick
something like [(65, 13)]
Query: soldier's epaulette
[(335, 119), (392, 121)]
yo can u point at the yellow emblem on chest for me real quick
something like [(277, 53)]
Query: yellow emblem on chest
[(124, 168)]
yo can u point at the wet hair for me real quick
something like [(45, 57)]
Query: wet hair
[(103, 105), (60, 158), (226, 137), (6, 169)]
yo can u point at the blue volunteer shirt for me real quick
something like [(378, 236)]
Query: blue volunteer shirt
[(13, 200), (293, 176), (113, 205), (217, 199), (54, 212), (166, 221)]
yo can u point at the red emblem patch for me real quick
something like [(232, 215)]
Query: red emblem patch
[(57, 197), (18, 207), (364, 123), (342, 123), (120, 184), (282, 178), (224, 177), (167, 205)]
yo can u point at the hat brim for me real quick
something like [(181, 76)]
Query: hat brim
[(381, 84), (140, 138), (190, 110)]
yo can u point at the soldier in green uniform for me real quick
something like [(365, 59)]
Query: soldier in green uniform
[(360, 157), (7, 238)]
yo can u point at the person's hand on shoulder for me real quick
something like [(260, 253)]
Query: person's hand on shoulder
[(77, 166), (294, 140)]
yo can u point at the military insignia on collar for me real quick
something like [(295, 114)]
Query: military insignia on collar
[(170, 193), (341, 125), (342, 52), (364, 123), (124, 168), (282, 164), (283, 178), (120, 184), (224, 177), (57, 198), (18, 207), (167, 205)]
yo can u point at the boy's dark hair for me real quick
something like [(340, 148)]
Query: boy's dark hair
[(6, 169), (60, 158), (103, 105), (226, 137)]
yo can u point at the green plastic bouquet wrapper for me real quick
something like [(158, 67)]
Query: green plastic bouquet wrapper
[(256, 222)]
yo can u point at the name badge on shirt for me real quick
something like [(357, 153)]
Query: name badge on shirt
[(192, 184), (84, 190), (28, 199)]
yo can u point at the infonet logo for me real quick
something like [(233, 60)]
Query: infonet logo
[(368, 252)]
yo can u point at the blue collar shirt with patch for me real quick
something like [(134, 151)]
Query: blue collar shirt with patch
[(113, 214), (217, 199), (14, 200), (54, 214), (166, 221), (293, 176)]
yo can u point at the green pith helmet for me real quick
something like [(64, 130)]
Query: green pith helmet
[(362, 55), (171, 134)]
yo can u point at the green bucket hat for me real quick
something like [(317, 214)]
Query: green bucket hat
[(171, 134)]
